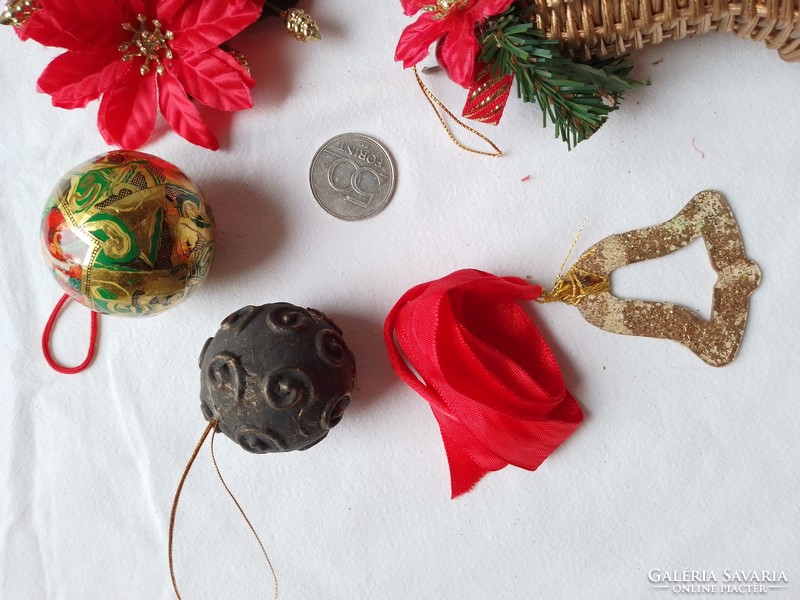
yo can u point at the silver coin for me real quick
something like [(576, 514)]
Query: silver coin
[(352, 176)]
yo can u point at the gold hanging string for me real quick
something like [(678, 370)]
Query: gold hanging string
[(434, 102), (571, 248), (210, 428), (244, 516), (212, 425), (576, 284)]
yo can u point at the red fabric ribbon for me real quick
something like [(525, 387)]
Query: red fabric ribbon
[(489, 376)]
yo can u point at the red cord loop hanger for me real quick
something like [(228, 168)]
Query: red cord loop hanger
[(48, 328)]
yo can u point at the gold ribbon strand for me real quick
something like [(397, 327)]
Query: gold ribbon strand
[(434, 102), (210, 428)]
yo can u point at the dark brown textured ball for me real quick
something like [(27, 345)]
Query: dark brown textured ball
[(276, 377)]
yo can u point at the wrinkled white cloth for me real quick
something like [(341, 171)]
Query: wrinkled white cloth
[(677, 466)]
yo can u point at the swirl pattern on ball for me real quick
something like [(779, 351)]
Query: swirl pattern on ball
[(127, 233), (276, 377)]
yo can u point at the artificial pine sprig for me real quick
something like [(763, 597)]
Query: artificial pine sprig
[(576, 97)]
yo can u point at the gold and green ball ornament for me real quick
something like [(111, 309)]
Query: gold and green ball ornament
[(128, 234)]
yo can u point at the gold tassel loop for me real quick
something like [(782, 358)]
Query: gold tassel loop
[(575, 285)]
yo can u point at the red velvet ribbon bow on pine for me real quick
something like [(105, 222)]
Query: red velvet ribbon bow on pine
[(493, 384)]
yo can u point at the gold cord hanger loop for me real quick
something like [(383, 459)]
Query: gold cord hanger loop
[(435, 102), (212, 429)]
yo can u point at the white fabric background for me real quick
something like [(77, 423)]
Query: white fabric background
[(678, 465)]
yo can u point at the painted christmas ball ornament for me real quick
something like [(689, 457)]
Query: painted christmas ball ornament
[(276, 377), (127, 234)]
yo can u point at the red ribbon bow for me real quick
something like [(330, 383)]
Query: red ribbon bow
[(489, 376)]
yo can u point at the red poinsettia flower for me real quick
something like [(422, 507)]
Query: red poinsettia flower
[(141, 56), (453, 20)]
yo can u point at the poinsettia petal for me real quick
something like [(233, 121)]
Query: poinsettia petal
[(167, 9), (127, 112), (203, 24), (99, 28), (417, 38), (102, 13), (42, 28), (182, 114), (489, 8), (211, 81), (459, 51), (234, 64), (412, 7), (75, 79)]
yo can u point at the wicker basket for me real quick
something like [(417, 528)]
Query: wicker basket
[(602, 28)]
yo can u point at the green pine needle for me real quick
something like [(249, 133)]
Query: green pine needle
[(576, 97)]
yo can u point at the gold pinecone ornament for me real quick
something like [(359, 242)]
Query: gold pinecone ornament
[(300, 25), (17, 12)]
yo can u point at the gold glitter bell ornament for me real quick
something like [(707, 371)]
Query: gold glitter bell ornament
[(127, 234)]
